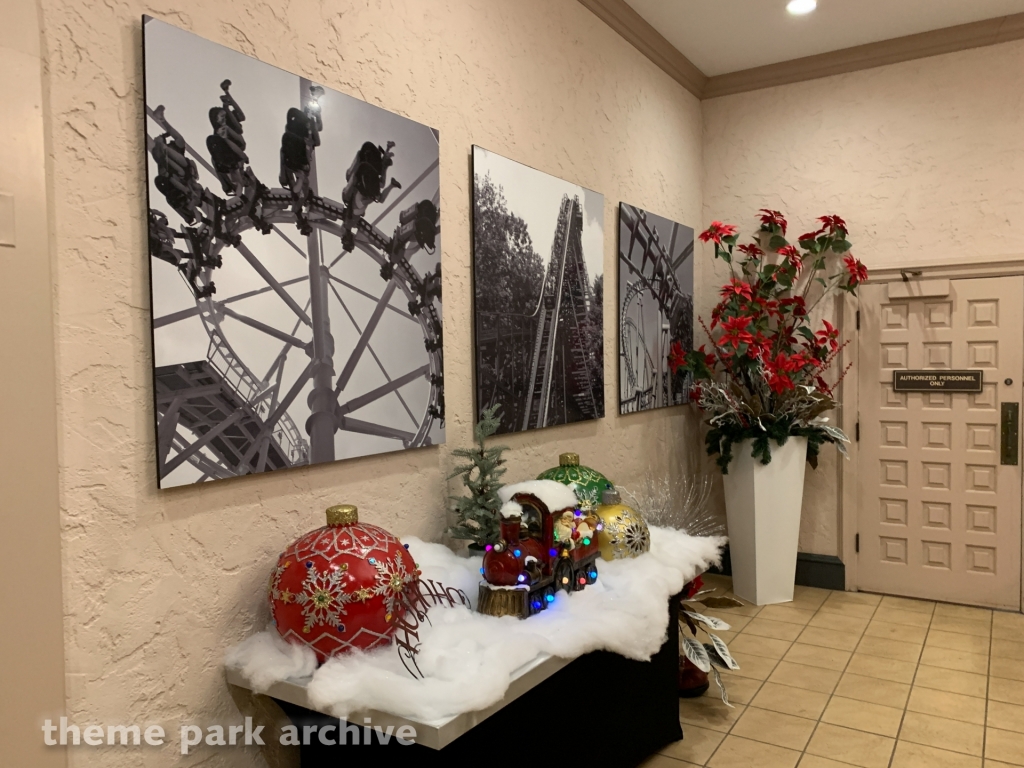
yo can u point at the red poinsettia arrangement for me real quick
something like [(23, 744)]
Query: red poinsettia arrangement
[(764, 378)]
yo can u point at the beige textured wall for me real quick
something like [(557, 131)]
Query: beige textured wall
[(157, 584), (924, 159)]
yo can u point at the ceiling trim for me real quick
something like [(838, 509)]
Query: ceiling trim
[(621, 17), (947, 40)]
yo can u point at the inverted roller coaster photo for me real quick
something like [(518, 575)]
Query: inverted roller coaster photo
[(321, 318)]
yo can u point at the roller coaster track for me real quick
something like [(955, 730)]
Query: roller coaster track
[(559, 344), (653, 266)]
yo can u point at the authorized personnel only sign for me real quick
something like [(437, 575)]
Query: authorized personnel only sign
[(937, 381)]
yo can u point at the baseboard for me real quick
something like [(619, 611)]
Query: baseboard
[(822, 571)]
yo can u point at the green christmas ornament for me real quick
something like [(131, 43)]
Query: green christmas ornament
[(589, 484)]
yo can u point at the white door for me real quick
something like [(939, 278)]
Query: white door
[(939, 513)]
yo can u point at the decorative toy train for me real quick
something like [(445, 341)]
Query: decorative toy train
[(547, 543)]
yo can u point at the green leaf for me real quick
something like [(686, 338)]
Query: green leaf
[(777, 242), (841, 246)]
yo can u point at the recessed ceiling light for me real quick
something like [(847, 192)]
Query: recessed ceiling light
[(800, 7)]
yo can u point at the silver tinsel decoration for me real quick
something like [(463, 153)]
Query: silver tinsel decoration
[(681, 503)]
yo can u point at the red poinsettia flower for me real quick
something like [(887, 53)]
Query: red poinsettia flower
[(716, 232), (855, 267), (751, 250), (770, 217), (829, 335), (709, 359), (784, 363), (736, 323), (796, 303), (737, 287), (676, 357), (792, 255), (734, 332), (778, 381), (811, 235), (787, 337), (833, 223), (716, 315)]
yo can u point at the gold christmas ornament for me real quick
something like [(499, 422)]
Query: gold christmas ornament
[(623, 531)]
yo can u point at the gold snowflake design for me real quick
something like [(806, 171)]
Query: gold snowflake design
[(323, 598), (629, 536), (637, 537), (392, 579)]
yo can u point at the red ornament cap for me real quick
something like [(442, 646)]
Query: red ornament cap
[(341, 587)]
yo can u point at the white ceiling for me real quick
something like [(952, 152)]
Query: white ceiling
[(721, 36)]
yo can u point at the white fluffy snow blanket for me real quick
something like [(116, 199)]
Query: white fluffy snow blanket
[(468, 659)]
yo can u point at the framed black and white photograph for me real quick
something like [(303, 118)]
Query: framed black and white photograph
[(655, 308), (538, 247), (294, 250)]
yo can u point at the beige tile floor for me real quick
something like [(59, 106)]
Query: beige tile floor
[(836, 679)]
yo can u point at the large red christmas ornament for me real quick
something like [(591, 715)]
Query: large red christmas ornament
[(341, 587)]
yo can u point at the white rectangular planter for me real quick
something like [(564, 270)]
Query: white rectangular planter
[(762, 504)]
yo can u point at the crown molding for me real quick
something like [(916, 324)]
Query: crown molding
[(947, 40), (621, 17), (618, 15)]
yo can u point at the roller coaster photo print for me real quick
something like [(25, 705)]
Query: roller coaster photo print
[(294, 251), (538, 250), (655, 308)]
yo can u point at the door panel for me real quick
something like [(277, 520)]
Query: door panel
[(939, 516)]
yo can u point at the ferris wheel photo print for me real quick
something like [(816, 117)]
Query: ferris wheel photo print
[(655, 308), (294, 251)]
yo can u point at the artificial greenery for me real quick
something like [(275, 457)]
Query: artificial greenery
[(763, 379), (478, 513), (720, 440)]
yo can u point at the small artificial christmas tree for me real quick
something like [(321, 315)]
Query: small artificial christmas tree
[(478, 513)]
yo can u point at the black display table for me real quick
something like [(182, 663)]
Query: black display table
[(600, 709)]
